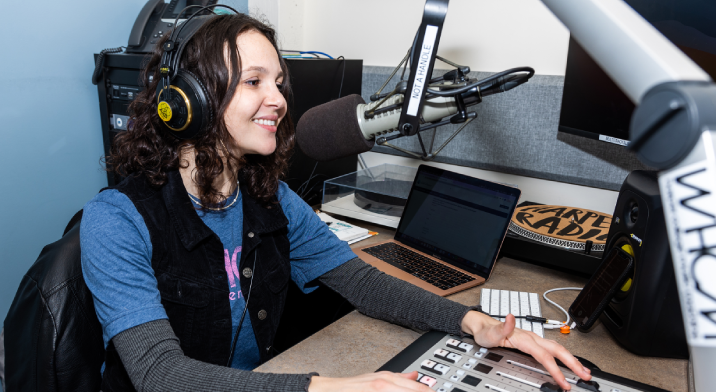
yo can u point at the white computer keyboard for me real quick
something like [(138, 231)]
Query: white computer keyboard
[(517, 303)]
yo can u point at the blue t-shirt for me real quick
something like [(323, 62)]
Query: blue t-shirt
[(117, 254)]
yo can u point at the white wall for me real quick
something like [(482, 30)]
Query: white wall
[(286, 16), (487, 35)]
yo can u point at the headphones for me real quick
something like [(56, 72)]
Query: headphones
[(182, 100)]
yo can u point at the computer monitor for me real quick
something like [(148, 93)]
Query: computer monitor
[(592, 104)]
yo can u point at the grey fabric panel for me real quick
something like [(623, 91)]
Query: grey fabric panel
[(516, 133)]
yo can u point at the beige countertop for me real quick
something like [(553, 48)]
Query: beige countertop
[(357, 344)]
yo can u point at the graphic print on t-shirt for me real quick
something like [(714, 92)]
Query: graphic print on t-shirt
[(232, 269)]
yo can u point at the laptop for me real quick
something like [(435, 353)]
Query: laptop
[(450, 232)]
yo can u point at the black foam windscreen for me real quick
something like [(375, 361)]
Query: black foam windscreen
[(331, 130)]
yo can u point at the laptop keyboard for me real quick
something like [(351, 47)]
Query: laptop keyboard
[(419, 266)]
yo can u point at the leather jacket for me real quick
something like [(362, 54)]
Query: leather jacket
[(53, 340)]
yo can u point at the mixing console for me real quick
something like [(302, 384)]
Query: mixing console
[(450, 364)]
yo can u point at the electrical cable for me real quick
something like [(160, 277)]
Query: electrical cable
[(503, 84), (361, 162), (99, 64), (308, 192), (530, 72), (241, 322), (315, 52), (533, 319), (299, 56), (303, 186), (343, 74), (544, 295), (480, 83)]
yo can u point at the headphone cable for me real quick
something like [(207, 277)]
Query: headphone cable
[(238, 330)]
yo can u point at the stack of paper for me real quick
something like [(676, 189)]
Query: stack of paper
[(343, 230)]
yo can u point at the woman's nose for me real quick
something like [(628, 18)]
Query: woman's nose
[(275, 98)]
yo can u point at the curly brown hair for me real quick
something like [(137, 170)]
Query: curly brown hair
[(149, 149)]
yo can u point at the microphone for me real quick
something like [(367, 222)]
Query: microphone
[(331, 130), (339, 128)]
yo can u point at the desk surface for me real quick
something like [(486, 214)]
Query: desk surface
[(358, 344)]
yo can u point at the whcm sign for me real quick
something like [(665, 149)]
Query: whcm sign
[(689, 197)]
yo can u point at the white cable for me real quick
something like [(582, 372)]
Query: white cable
[(555, 304)]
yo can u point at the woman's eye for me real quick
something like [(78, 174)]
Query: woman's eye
[(279, 86), (252, 82)]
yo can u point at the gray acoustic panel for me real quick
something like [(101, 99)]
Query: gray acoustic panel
[(516, 133)]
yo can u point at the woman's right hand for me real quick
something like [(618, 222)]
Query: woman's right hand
[(381, 381)]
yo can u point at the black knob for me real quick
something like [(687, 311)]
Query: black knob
[(588, 385), (549, 387)]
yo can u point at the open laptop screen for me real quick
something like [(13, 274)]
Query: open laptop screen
[(456, 218)]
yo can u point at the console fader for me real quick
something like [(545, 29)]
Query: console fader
[(448, 364)]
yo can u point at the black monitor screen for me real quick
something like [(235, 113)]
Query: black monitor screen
[(459, 219), (592, 104)]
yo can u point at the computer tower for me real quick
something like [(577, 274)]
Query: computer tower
[(645, 318)]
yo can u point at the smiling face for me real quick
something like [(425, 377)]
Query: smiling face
[(258, 106)]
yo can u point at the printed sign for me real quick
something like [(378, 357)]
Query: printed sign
[(421, 76), (690, 212), (614, 140), (566, 223)]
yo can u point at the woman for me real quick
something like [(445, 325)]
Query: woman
[(152, 246)]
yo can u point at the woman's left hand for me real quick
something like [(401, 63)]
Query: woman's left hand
[(489, 332)]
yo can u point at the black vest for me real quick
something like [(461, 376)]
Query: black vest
[(188, 262)]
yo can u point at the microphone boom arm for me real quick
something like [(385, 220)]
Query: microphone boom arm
[(422, 60), (421, 102), (426, 156)]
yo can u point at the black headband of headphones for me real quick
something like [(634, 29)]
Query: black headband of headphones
[(174, 47)]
